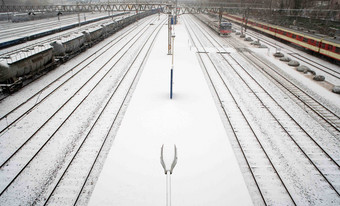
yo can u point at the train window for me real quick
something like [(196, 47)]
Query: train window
[(323, 45), (293, 36), (305, 39), (330, 47), (337, 50)]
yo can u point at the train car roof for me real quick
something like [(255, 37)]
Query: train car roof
[(71, 37), (226, 22), (25, 54), (311, 35), (316, 37)]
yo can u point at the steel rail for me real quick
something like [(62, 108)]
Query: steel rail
[(56, 80), (236, 136), (277, 120), (37, 152)]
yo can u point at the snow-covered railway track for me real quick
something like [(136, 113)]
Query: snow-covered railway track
[(302, 139), (260, 165), (289, 51), (289, 136), (17, 27), (19, 109), (22, 31), (325, 116), (74, 140), (312, 63), (51, 38), (90, 143), (320, 111)]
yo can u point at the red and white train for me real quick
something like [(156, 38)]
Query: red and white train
[(223, 29), (327, 46)]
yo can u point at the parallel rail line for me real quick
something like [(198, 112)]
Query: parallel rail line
[(327, 157), (105, 48), (66, 118), (241, 140)]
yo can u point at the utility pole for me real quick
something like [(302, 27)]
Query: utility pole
[(169, 33), (219, 18), (172, 64), (79, 19)]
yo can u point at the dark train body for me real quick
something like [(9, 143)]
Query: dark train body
[(16, 68)]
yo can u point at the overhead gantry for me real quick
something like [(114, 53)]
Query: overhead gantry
[(182, 8)]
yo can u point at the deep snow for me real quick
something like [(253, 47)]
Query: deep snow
[(207, 172)]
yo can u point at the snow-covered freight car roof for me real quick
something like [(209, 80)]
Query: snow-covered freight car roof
[(71, 37), (24, 54)]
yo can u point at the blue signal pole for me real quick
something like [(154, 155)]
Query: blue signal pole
[(172, 64)]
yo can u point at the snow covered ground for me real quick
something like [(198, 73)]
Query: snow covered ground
[(22, 30), (211, 169), (207, 172)]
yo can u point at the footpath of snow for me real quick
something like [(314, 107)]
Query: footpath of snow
[(207, 172)]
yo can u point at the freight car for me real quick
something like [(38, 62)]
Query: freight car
[(93, 35), (323, 45), (23, 65), (68, 46)]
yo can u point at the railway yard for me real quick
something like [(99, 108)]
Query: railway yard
[(252, 122)]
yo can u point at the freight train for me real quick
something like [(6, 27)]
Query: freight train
[(323, 45), (15, 69)]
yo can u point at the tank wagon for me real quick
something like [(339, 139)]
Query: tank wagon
[(68, 46), (23, 65), (93, 35)]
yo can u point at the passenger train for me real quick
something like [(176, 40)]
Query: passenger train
[(16, 68), (326, 46), (223, 29)]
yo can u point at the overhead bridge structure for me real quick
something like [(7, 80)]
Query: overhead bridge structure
[(82, 7), (250, 9)]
